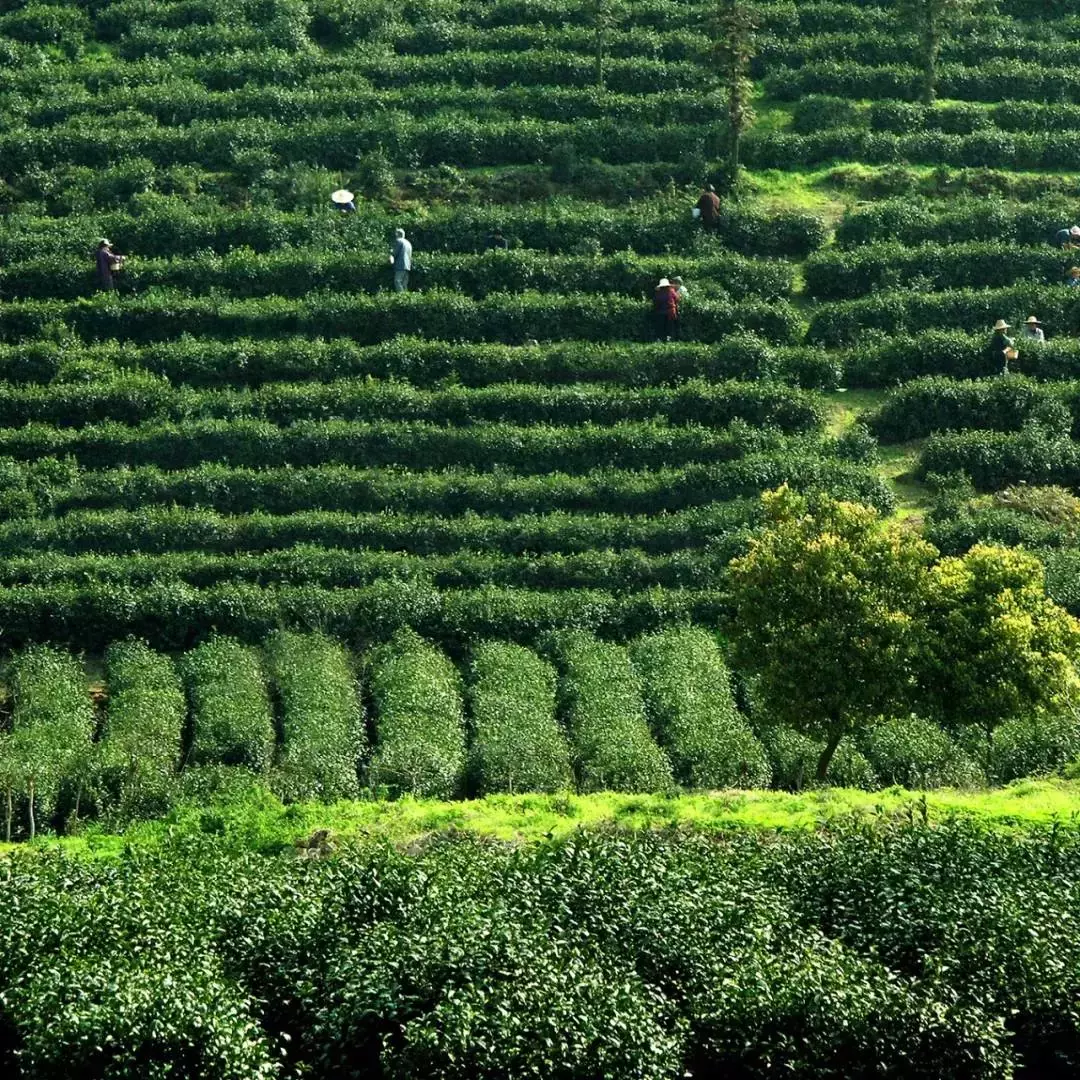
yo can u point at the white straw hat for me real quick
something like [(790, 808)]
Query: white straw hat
[(1032, 321), (1075, 230), (1001, 324), (341, 196), (663, 282)]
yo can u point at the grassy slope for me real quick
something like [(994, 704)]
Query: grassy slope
[(264, 824)]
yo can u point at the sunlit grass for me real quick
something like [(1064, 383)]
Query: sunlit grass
[(261, 823)]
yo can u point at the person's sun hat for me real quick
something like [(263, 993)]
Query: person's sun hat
[(1001, 324), (1032, 321), (664, 283), (107, 243), (1074, 271), (1075, 230), (341, 196)]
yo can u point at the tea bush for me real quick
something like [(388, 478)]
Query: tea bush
[(231, 719), (517, 743)]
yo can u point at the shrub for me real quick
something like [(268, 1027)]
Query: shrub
[(916, 753), (52, 722), (690, 705), (602, 701), (322, 726), (794, 757), (143, 733), (419, 722), (1034, 746), (517, 744), (230, 709)]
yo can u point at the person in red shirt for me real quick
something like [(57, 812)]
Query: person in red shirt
[(709, 206), (666, 311)]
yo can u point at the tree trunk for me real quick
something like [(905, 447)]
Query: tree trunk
[(931, 46), (827, 754), (7, 824), (33, 822)]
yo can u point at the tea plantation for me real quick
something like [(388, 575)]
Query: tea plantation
[(281, 527)]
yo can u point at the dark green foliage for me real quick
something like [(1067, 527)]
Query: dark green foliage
[(322, 728), (144, 724), (794, 760), (517, 744), (419, 721), (687, 693), (231, 719), (1034, 746), (916, 753), (935, 953)]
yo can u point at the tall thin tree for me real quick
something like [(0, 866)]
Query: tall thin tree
[(734, 46), (931, 21)]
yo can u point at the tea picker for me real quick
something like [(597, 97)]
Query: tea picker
[(109, 263), (343, 200)]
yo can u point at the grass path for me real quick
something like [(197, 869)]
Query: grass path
[(898, 461), (261, 823)]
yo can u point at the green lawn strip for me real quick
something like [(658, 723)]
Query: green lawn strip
[(898, 461), (261, 823)]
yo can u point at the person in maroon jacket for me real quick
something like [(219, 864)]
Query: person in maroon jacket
[(709, 207), (666, 311), (108, 262)]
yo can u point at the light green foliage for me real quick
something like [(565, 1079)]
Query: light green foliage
[(688, 696), (419, 719), (795, 756), (996, 647), (52, 724), (915, 752), (322, 724), (823, 610), (232, 723), (517, 744), (140, 751), (602, 698)]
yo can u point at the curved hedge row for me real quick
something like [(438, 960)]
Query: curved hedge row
[(842, 322), (1026, 80), (512, 318), (296, 272), (842, 274), (995, 459), (164, 224), (135, 398), (990, 147), (923, 406), (250, 362), (919, 221)]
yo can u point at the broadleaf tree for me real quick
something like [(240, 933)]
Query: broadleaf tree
[(824, 611), (997, 647)]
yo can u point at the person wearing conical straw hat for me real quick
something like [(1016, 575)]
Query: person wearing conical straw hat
[(343, 200), (1033, 330), (1002, 347), (1074, 277), (666, 311)]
